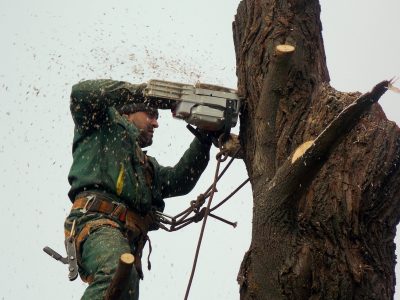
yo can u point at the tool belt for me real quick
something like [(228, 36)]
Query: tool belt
[(137, 226)]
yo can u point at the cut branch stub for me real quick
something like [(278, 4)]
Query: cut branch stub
[(120, 280), (284, 49), (301, 150)]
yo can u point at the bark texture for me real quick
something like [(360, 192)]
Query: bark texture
[(324, 223)]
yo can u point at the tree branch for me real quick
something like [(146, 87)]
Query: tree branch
[(302, 166), (272, 90)]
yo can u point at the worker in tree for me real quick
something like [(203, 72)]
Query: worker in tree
[(115, 186)]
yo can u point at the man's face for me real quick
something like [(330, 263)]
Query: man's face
[(146, 123)]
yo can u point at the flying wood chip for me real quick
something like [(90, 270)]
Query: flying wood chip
[(393, 88)]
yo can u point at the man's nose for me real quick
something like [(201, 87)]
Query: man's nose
[(154, 122)]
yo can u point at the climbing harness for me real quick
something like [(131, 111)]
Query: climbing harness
[(195, 212)]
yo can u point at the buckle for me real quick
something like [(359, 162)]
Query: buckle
[(88, 204), (118, 211)]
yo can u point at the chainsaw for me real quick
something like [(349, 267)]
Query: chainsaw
[(208, 107)]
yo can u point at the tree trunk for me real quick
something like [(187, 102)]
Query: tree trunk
[(325, 215)]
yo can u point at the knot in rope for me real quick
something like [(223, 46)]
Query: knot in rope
[(196, 204), (199, 215)]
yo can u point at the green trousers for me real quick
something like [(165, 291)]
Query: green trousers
[(100, 256)]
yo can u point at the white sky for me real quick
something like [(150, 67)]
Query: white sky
[(49, 45)]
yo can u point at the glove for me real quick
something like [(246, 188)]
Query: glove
[(205, 137), (231, 147)]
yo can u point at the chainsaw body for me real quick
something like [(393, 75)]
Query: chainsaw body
[(205, 106)]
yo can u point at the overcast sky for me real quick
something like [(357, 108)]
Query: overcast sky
[(49, 45)]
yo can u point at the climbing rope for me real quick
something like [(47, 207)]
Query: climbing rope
[(182, 219)]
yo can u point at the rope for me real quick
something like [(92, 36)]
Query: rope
[(181, 220), (212, 192), (230, 195)]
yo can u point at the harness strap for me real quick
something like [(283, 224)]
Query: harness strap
[(136, 224), (83, 234), (132, 220)]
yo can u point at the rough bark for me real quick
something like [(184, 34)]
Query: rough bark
[(324, 223)]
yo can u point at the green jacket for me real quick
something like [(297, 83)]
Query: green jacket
[(107, 157)]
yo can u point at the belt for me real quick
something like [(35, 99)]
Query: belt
[(116, 210), (137, 224)]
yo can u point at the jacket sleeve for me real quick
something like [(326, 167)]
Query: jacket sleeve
[(90, 100), (181, 179)]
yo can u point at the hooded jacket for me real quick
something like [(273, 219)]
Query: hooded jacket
[(107, 157)]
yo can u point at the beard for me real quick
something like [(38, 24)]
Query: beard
[(145, 138)]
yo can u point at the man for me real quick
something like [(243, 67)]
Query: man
[(115, 186)]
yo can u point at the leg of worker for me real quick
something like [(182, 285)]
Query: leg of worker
[(100, 255)]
